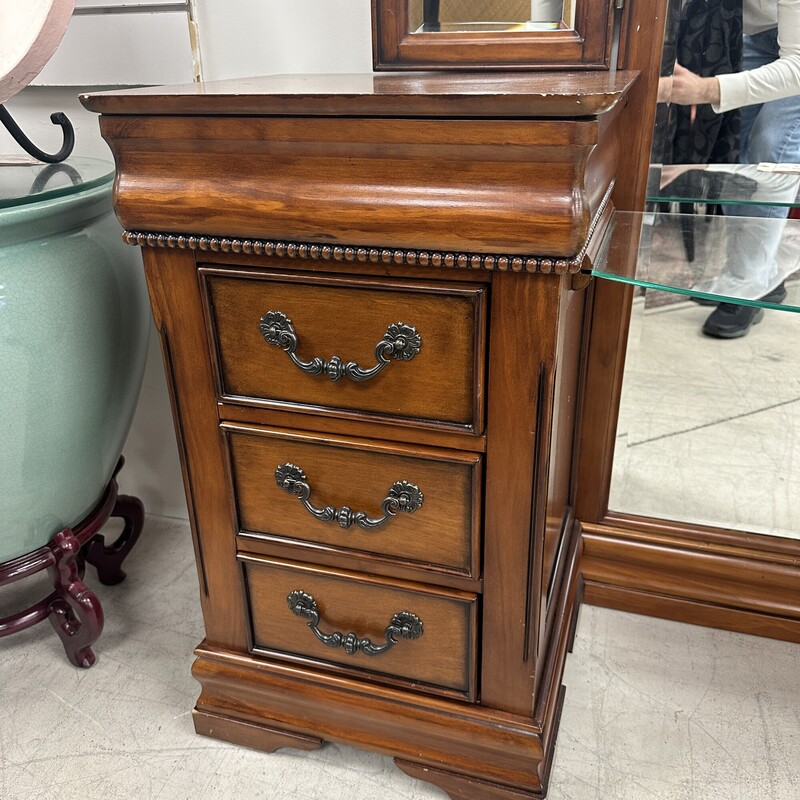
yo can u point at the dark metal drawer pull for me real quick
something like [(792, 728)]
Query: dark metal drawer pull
[(403, 496), (404, 624), (401, 342)]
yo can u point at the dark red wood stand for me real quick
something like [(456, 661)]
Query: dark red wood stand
[(73, 609)]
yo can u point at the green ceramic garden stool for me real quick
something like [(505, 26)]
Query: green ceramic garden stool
[(74, 322)]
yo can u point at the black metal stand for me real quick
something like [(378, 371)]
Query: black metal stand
[(59, 118)]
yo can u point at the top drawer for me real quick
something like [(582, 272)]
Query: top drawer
[(397, 350)]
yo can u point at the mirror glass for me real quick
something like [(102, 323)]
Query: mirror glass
[(486, 16), (709, 430), (709, 425)]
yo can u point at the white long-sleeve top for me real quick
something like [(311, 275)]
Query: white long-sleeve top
[(773, 81)]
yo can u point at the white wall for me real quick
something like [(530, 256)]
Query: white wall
[(107, 48), (242, 38), (238, 38)]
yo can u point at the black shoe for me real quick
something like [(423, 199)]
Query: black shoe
[(777, 295), (730, 321)]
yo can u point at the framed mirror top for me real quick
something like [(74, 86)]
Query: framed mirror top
[(491, 34)]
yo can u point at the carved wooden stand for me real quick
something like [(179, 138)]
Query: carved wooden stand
[(73, 609)]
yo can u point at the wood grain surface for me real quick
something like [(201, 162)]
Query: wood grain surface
[(483, 419), (642, 37), (354, 423), (468, 737), (445, 531), (179, 317), (501, 186), (348, 602), (522, 349), (446, 94), (262, 736), (443, 382), (671, 561), (466, 787), (586, 45)]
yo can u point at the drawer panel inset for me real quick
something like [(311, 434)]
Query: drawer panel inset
[(420, 505), (399, 350), (405, 631)]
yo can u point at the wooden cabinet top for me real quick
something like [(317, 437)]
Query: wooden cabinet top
[(486, 95), (415, 168)]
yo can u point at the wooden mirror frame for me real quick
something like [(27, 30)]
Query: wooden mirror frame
[(587, 46), (714, 576)]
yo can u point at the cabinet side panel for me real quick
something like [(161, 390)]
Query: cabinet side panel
[(562, 436), (522, 348), (175, 296)]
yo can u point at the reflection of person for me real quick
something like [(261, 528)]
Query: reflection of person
[(767, 91)]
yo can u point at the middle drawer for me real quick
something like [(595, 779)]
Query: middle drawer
[(421, 505)]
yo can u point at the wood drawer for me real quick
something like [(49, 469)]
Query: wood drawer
[(441, 384), (442, 656), (443, 532)]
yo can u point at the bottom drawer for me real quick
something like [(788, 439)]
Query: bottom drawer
[(395, 632)]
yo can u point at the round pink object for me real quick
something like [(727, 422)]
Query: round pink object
[(30, 32)]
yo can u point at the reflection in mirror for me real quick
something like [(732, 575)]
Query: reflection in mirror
[(709, 428), (482, 16)]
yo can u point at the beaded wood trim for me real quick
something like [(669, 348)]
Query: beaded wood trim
[(374, 255)]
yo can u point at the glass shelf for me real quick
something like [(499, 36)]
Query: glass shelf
[(705, 256), (722, 184), (23, 182)]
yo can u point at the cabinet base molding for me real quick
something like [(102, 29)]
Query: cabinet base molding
[(267, 705), (720, 579), (692, 612), (464, 787), (247, 734)]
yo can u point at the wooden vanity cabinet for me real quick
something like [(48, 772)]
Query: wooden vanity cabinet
[(371, 308)]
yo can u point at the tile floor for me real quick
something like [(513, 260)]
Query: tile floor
[(654, 710)]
